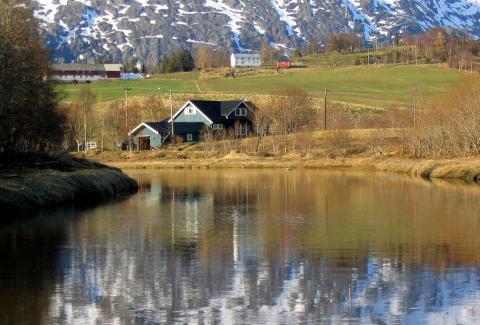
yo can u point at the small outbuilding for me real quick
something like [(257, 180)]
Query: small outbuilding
[(284, 62), (150, 135)]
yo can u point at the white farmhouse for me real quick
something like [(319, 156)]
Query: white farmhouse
[(245, 60)]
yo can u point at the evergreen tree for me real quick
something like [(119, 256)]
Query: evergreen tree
[(396, 40), (440, 47)]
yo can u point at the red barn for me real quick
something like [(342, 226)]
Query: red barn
[(284, 62), (81, 73)]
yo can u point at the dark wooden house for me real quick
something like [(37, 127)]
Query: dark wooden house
[(195, 116)]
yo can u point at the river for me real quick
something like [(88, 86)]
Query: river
[(251, 247)]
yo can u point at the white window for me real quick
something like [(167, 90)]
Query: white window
[(241, 112), (189, 137), (217, 126), (190, 111)]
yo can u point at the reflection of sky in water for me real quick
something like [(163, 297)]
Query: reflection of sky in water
[(266, 247)]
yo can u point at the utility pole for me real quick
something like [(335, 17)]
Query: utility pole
[(126, 89), (414, 112), (126, 117), (416, 57), (325, 108), (171, 117)]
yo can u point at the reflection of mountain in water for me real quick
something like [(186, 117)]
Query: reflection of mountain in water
[(272, 247)]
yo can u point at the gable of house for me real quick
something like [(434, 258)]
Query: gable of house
[(240, 112), (190, 113), (155, 138)]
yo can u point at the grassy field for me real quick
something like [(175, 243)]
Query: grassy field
[(111, 90), (376, 85)]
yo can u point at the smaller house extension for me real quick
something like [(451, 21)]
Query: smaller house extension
[(196, 115), (150, 135)]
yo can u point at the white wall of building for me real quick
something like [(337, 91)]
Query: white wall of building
[(245, 60)]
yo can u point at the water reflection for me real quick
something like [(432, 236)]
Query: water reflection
[(253, 247)]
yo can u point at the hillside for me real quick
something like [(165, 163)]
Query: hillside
[(144, 30), (386, 86)]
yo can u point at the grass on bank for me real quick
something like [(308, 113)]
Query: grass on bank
[(375, 85)]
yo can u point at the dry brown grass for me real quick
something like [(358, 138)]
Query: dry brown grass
[(464, 169)]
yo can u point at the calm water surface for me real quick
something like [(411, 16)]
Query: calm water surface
[(251, 247)]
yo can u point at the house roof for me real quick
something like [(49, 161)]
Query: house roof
[(86, 67), (113, 67), (245, 55), (215, 111), (212, 109), (78, 67), (159, 126), (156, 127), (283, 58)]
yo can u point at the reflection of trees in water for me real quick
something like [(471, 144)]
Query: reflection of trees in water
[(264, 246), (30, 253)]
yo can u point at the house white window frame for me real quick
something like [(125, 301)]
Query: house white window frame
[(217, 126), (190, 110), (189, 137), (241, 111)]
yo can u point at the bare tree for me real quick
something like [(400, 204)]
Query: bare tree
[(291, 111), (262, 121), (204, 58), (113, 120), (75, 123), (87, 102)]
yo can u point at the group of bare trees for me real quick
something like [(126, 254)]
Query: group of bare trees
[(449, 128), (208, 57), (30, 121), (457, 48), (107, 124)]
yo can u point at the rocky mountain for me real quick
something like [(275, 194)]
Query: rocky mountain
[(143, 30)]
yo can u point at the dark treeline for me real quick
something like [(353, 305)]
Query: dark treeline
[(350, 42), (179, 61), (30, 121)]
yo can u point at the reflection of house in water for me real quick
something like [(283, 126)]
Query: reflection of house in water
[(189, 211)]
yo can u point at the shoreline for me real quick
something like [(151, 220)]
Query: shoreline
[(28, 192), (467, 169)]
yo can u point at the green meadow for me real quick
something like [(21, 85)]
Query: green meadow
[(376, 85), (111, 90)]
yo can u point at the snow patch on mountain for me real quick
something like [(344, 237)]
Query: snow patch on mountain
[(125, 29), (236, 19), (287, 15)]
